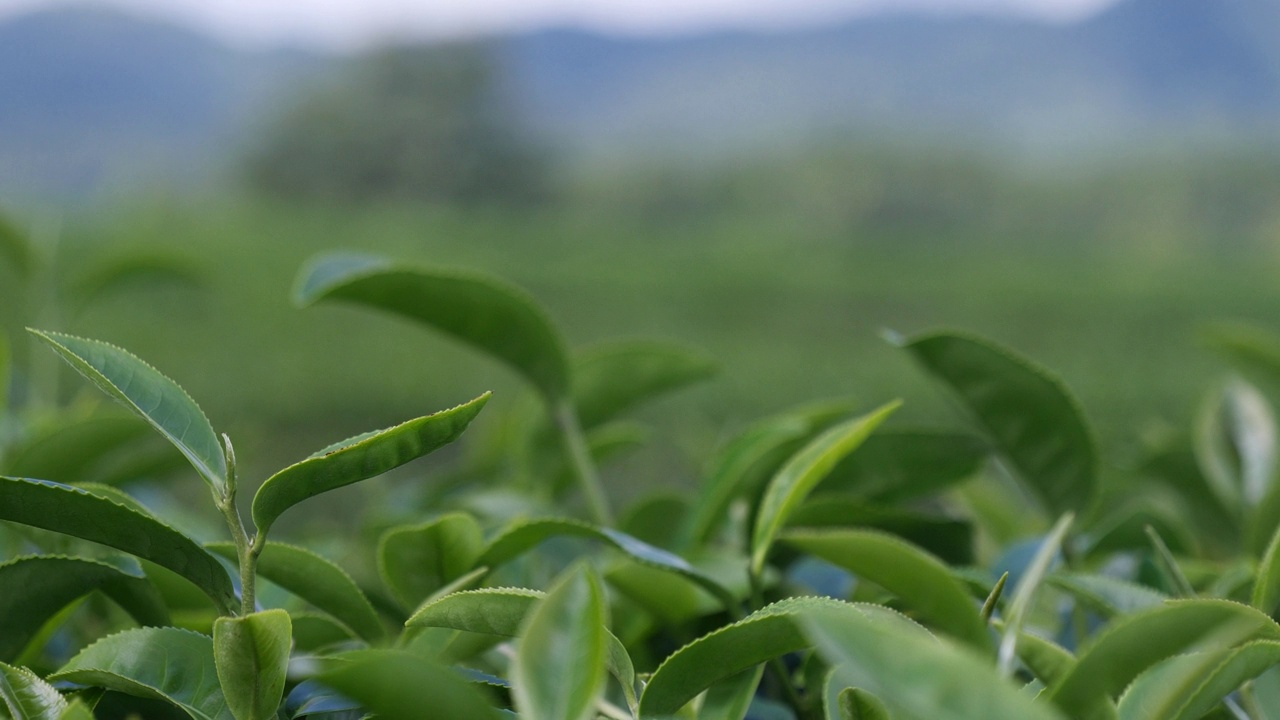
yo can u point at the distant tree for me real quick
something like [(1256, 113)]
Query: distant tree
[(420, 123)]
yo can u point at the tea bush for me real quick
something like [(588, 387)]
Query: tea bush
[(829, 564)]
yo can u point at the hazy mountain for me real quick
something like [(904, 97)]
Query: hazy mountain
[(91, 99)]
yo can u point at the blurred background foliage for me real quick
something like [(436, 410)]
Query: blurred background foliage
[(605, 176)]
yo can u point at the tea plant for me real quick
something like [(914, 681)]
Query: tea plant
[(830, 563)]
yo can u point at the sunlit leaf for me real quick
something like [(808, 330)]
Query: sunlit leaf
[(155, 398), (251, 655), (559, 670), (24, 696), (360, 458), (1186, 687), (484, 312), (415, 561)]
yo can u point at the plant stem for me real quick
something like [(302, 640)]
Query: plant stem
[(566, 418), (246, 552)]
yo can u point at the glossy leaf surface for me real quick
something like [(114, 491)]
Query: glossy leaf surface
[(1028, 413), (35, 588), (360, 458), (793, 483), (922, 581), (484, 312), (558, 673), (916, 678), (154, 397), (251, 655), (1186, 687), (318, 581), (79, 513), (127, 662), (765, 634), (1135, 642)]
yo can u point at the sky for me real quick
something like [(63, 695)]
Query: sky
[(353, 23)]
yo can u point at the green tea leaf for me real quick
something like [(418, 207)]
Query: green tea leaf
[(251, 654), (914, 677), (154, 397), (610, 379), (76, 710), (415, 561), (1266, 589), (24, 696), (313, 632), (730, 699), (765, 634), (1133, 643), (99, 519), (34, 589), (397, 685), (316, 580), (793, 483), (71, 452), (484, 312), (749, 458), (948, 538), (922, 581), (359, 458), (855, 704), (1186, 687), (523, 536), (1109, 597), (142, 663), (559, 670), (1028, 412), (894, 466), (502, 611)]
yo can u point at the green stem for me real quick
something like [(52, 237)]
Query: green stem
[(247, 552), (566, 418)]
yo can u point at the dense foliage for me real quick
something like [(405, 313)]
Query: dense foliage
[(832, 562)]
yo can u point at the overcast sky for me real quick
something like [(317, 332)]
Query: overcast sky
[(348, 23)]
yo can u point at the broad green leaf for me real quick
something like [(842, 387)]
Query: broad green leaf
[(1109, 597), (793, 483), (99, 519), (16, 249), (1048, 661), (415, 561), (1186, 687), (484, 312), (730, 699), (24, 696), (314, 631), (671, 598), (559, 669), (1026, 589), (154, 397), (922, 581), (176, 666), (316, 580), (653, 518), (1168, 565), (1266, 589), (855, 704), (397, 685), (359, 458), (750, 458), (502, 611), (914, 677), (34, 589), (251, 653), (948, 538), (1236, 445), (522, 536), (765, 634), (610, 379), (893, 466), (1027, 411), (1133, 643)]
